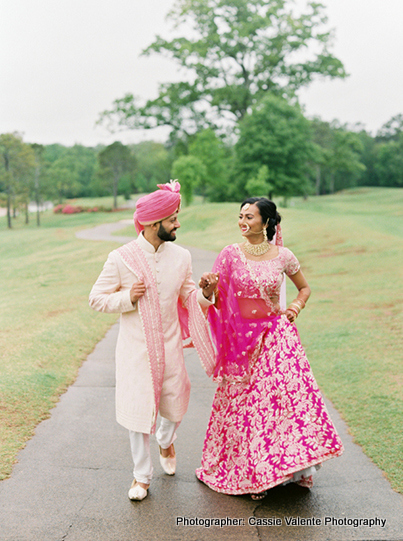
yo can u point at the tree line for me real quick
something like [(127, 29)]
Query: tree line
[(38, 173), (278, 153), (236, 126)]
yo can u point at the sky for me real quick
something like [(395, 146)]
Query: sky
[(62, 62)]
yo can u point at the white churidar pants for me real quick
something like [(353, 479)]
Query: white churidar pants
[(140, 446)]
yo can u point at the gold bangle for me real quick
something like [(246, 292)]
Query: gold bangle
[(292, 310), (296, 306)]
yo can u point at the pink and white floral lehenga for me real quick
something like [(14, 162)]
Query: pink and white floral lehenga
[(269, 424)]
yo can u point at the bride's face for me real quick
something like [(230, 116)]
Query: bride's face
[(250, 221)]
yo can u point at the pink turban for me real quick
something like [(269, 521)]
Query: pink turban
[(157, 205)]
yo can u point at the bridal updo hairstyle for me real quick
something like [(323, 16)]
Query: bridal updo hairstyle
[(268, 212)]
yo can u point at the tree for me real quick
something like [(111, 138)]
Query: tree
[(153, 167), (10, 144), (190, 171), (388, 153), (79, 163), (322, 138), (212, 153), (24, 177), (83, 161), (367, 156), (16, 169), (62, 179), (241, 50), (260, 185), (38, 151), (276, 135), (338, 162), (344, 161), (391, 130), (389, 163), (115, 161)]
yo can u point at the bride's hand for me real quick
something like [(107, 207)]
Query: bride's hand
[(290, 315), (208, 282), (203, 280)]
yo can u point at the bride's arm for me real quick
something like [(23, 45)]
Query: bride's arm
[(304, 292)]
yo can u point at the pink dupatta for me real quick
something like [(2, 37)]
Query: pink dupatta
[(239, 322), (192, 320)]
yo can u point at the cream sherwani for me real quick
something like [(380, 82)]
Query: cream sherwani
[(171, 267)]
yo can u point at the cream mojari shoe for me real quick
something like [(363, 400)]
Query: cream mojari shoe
[(137, 492), (168, 463)]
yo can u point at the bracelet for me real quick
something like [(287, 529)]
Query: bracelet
[(300, 302), (292, 310), (297, 306)]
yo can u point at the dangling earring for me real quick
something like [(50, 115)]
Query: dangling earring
[(265, 234)]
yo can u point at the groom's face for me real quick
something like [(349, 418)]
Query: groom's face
[(168, 226)]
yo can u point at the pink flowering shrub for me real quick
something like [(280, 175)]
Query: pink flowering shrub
[(70, 209), (74, 209)]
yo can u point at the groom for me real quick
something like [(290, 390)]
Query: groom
[(149, 282)]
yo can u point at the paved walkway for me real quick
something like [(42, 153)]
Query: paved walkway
[(71, 480)]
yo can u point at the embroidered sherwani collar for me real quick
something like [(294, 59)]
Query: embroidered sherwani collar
[(147, 246)]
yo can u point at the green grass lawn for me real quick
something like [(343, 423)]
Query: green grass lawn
[(350, 246)]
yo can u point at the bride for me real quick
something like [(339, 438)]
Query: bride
[(269, 424)]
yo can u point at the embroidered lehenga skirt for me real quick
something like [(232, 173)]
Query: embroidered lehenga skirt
[(264, 430)]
